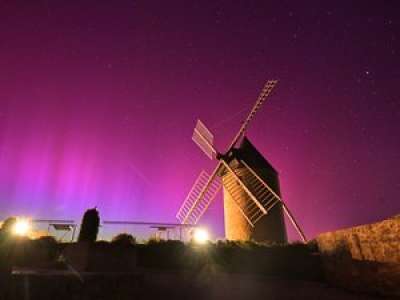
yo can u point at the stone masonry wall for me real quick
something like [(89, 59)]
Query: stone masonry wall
[(364, 258)]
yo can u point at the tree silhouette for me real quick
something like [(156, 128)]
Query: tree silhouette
[(90, 226)]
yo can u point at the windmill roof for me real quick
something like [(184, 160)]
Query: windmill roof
[(252, 156)]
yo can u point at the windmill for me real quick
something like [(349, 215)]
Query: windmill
[(253, 207)]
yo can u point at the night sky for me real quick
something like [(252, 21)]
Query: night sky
[(98, 100)]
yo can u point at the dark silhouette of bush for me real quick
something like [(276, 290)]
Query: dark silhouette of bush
[(49, 244), (313, 245), (90, 226), (124, 240), (23, 252), (297, 261), (162, 254), (7, 228), (6, 241)]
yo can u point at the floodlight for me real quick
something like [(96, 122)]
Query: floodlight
[(200, 235), (22, 227)]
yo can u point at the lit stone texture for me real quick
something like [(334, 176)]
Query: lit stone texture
[(364, 258)]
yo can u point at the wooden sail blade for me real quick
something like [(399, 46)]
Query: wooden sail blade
[(203, 192)]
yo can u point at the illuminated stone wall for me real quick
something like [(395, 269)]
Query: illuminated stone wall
[(364, 258)]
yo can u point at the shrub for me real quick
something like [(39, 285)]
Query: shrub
[(167, 254), (49, 245), (313, 246), (124, 239), (7, 228), (90, 226)]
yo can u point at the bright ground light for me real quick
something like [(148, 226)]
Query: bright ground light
[(22, 227), (200, 236)]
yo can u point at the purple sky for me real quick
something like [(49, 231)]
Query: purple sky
[(98, 102)]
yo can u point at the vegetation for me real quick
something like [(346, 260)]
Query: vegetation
[(297, 261), (124, 239), (123, 253), (6, 228), (90, 226), (283, 260)]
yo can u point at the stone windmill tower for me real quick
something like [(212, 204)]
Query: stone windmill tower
[(253, 208)]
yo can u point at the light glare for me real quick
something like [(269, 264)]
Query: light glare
[(200, 236), (22, 227)]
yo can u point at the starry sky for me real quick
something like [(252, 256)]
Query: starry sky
[(98, 100)]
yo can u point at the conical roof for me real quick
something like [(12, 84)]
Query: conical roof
[(252, 156)]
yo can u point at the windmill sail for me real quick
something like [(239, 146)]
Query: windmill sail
[(204, 139), (260, 100), (199, 198), (262, 197)]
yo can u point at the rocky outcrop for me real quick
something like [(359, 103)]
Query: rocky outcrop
[(364, 258)]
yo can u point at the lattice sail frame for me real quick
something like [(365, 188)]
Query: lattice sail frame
[(265, 199), (265, 92), (204, 139), (258, 206), (203, 192)]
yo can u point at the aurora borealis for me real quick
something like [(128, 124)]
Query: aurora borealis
[(98, 101)]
